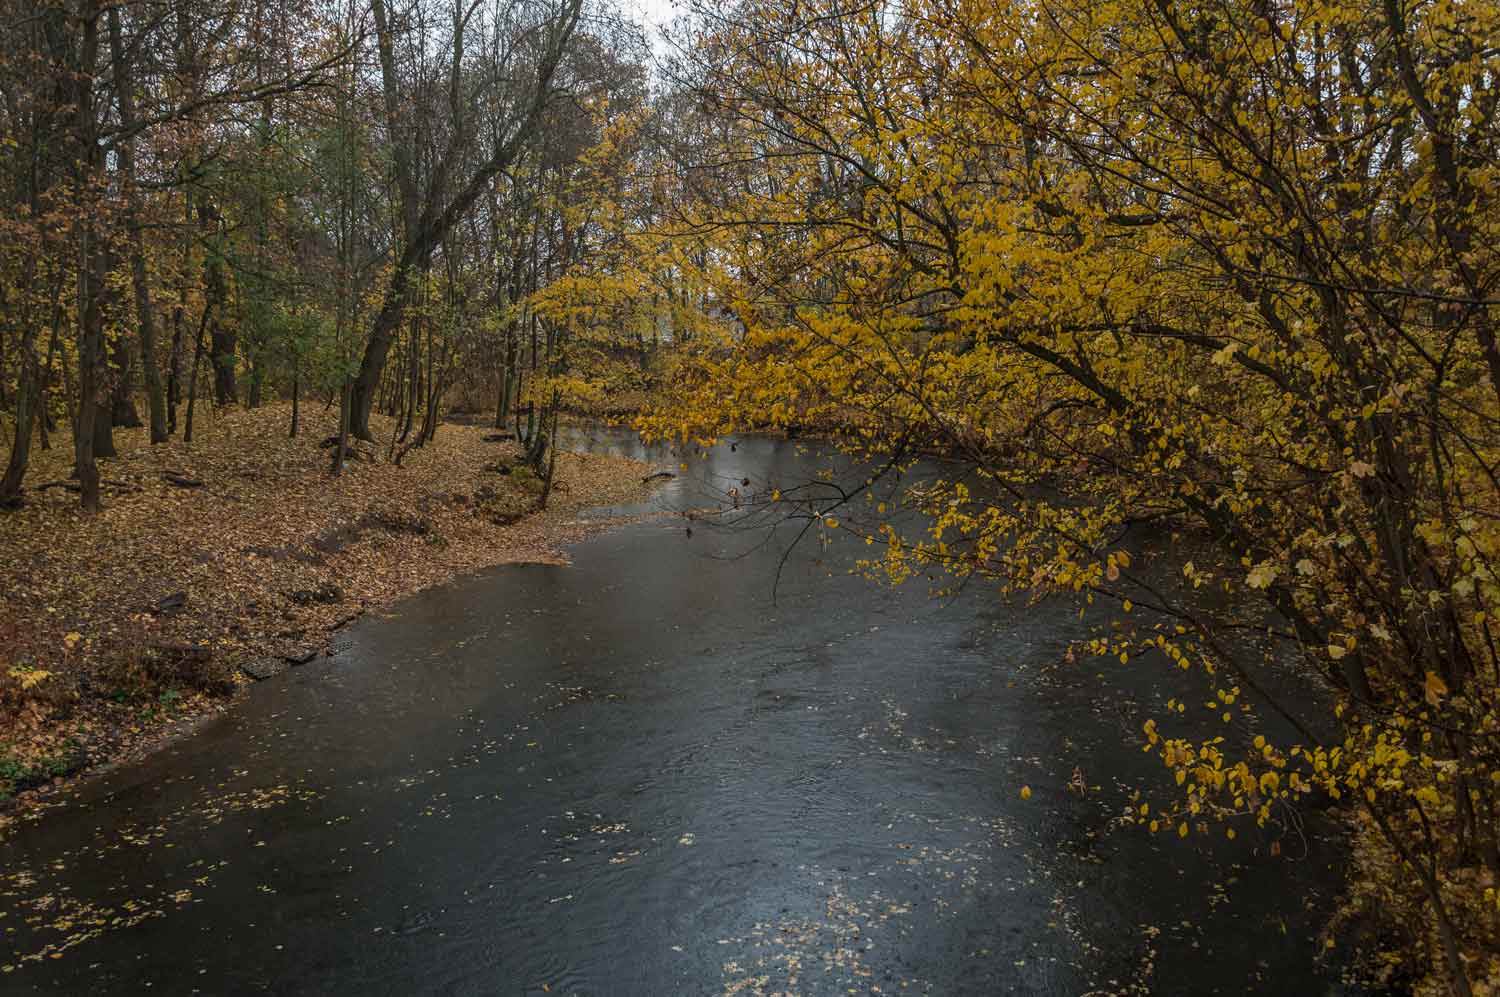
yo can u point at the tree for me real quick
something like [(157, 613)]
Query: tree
[(1224, 267), (530, 40)]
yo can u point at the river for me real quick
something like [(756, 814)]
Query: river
[(697, 760)]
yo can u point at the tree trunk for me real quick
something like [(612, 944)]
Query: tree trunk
[(257, 380), (187, 433), (222, 339), (44, 378), (90, 368), (28, 394), (179, 319), (296, 397), (122, 411), (92, 262), (343, 434), (104, 429), (144, 316), (507, 377), (224, 343), (551, 456), (424, 226), (414, 377)]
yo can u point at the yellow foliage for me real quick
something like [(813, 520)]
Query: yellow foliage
[(1224, 267)]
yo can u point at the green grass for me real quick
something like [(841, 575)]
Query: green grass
[(15, 775)]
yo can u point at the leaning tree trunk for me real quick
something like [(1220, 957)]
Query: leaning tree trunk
[(427, 225)]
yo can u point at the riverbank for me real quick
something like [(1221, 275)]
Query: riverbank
[(709, 762), (240, 555)]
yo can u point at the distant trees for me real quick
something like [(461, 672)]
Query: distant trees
[(269, 197), (104, 103)]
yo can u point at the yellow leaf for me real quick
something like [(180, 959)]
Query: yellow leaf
[(1434, 689), (1262, 575), (1025, 792)]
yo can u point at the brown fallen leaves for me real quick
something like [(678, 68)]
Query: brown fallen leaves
[(265, 557)]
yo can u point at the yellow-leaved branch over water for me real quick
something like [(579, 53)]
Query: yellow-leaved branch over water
[(1220, 273)]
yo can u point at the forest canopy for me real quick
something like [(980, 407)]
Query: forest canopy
[(1224, 271)]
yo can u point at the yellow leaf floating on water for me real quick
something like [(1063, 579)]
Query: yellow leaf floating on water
[(1025, 792)]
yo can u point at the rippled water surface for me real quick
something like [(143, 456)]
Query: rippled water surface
[(643, 774)]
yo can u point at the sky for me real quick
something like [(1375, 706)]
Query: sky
[(654, 14)]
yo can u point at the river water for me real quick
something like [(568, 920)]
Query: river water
[(698, 760)]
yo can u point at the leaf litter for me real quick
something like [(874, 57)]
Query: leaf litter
[(118, 630)]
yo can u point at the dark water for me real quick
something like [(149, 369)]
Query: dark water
[(639, 774)]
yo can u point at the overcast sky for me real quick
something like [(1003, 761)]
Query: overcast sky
[(654, 14)]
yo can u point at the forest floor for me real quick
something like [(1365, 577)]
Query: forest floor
[(240, 554)]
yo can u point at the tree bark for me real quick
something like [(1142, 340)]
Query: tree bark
[(93, 253), (27, 395), (221, 338), (187, 432), (179, 318), (296, 397), (156, 407), (145, 317), (122, 411)]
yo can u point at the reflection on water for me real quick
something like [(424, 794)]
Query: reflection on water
[(643, 774)]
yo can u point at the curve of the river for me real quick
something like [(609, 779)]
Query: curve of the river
[(643, 774)]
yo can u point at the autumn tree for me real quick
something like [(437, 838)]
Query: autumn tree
[(1227, 268)]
